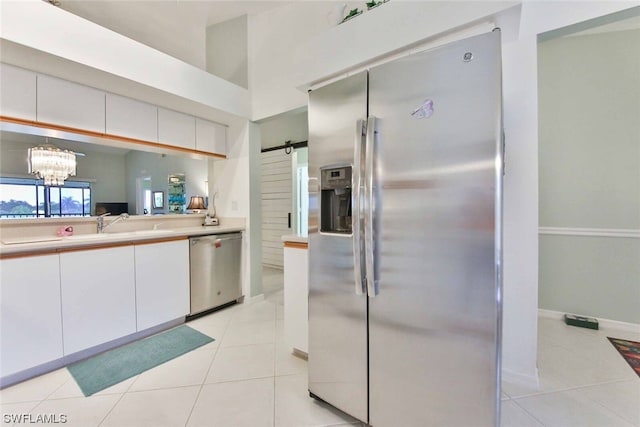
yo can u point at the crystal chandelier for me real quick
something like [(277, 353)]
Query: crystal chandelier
[(52, 164)]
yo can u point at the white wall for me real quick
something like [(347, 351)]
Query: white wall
[(230, 179), (292, 127), (274, 38), (226, 51), (301, 43)]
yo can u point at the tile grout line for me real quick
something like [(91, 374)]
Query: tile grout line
[(560, 390), (118, 401), (206, 375), (40, 401), (529, 413), (111, 410), (611, 410), (275, 362)]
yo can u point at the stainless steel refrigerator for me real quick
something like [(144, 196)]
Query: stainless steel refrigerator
[(405, 200)]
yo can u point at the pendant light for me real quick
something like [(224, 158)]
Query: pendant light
[(51, 164)]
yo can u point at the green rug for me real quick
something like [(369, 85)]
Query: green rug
[(113, 366)]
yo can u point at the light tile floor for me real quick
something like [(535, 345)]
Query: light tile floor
[(248, 377)]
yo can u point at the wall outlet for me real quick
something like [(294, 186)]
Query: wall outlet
[(234, 205)]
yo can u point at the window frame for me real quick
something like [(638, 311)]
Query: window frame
[(37, 184)]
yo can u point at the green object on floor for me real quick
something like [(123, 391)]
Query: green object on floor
[(581, 321), (113, 366)]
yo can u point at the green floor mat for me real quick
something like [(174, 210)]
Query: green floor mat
[(113, 366)]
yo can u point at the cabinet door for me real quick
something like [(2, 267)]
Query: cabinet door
[(98, 296), (17, 92), (296, 294), (64, 103), (130, 118), (31, 327), (211, 137), (162, 282), (176, 129)]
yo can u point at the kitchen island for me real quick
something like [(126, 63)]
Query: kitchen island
[(296, 293)]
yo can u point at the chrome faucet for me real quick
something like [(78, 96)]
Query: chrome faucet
[(102, 228)]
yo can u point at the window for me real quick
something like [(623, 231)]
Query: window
[(29, 198)]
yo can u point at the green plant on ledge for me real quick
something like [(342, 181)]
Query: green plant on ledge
[(374, 3), (352, 13)]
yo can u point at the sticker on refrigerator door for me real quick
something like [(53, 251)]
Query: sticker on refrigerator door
[(424, 110)]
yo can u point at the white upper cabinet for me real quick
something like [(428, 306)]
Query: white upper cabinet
[(63, 103), (176, 129), (17, 92), (211, 137), (130, 118), (49, 100)]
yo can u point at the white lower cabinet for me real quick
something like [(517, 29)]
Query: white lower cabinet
[(98, 296), (162, 282), (296, 298), (31, 327)]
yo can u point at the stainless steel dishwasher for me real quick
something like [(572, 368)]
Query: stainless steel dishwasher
[(215, 271)]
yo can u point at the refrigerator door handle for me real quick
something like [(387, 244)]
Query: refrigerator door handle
[(369, 208), (356, 207)]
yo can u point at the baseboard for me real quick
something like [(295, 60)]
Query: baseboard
[(254, 299), (56, 364), (603, 323), (529, 381)]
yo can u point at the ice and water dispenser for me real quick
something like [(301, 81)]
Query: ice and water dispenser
[(335, 204)]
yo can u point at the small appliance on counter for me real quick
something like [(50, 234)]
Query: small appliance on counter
[(209, 220)]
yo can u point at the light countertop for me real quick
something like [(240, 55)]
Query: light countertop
[(40, 244), (295, 238)]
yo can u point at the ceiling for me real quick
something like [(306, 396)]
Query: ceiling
[(175, 27)]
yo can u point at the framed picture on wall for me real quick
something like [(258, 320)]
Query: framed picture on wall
[(158, 199)]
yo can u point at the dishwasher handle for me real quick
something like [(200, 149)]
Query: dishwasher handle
[(215, 239)]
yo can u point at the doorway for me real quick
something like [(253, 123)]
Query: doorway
[(589, 171), (284, 199), (143, 195)]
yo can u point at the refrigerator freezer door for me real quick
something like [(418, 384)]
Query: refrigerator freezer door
[(337, 316), (434, 327)]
